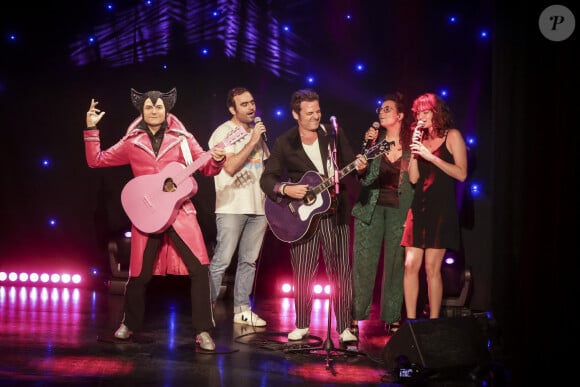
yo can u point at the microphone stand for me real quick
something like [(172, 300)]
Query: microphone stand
[(335, 162), (328, 346)]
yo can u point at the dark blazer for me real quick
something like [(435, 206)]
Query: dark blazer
[(288, 162)]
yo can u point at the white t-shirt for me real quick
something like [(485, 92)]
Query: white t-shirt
[(241, 193), (313, 152)]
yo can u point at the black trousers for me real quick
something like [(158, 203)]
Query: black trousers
[(136, 287)]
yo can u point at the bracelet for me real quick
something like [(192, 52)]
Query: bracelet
[(282, 189)]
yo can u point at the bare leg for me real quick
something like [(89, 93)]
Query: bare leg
[(433, 261), (413, 261)]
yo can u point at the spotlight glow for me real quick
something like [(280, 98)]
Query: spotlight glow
[(317, 289)]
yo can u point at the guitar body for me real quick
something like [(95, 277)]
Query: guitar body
[(294, 219), (152, 202), (149, 205)]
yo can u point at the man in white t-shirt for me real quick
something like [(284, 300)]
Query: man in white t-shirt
[(240, 216)]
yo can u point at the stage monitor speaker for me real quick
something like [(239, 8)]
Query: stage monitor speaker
[(435, 345)]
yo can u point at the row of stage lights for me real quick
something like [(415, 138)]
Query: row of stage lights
[(47, 279), (319, 290), (75, 280)]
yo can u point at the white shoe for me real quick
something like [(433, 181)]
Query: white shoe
[(205, 341), (249, 318), (298, 334), (123, 332), (347, 336)]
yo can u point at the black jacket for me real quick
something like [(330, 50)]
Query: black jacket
[(288, 162)]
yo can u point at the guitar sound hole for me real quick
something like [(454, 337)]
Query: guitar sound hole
[(309, 198), (169, 185)]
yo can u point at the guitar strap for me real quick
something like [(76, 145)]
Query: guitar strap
[(185, 150)]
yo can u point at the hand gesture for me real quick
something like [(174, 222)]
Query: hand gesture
[(371, 134), (259, 129), (361, 163), (218, 154), (418, 149), (94, 115), (296, 191)]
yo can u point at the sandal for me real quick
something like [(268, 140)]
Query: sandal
[(393, 328)]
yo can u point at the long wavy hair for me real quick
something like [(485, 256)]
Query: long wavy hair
[(406, 133)]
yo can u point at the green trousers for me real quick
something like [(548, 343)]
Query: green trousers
[(384, 231)]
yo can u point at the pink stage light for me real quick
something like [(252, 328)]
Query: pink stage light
[(286, 288), (25, 278), (317, 289)]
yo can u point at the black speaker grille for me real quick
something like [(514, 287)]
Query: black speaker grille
[(438, 344)]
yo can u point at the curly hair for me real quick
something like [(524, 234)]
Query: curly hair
[(442, 116), (406, 133)]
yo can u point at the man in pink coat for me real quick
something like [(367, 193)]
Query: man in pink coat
[(151, 143)]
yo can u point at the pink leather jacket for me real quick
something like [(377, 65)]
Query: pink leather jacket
[(135, 149)]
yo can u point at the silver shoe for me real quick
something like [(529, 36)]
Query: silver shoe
[(123, 332), (205, 341)]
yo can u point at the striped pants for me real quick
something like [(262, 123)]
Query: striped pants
[(304, 255)]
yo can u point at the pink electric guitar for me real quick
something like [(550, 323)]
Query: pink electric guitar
[(153, 201)]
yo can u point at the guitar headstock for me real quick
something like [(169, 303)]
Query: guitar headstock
[(234, 136), (378, 149)]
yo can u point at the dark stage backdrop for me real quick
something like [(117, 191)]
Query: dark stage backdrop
[(48, 80)]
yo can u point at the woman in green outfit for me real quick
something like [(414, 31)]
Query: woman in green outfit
[(380, 211)]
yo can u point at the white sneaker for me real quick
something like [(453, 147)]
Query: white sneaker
[(298, 334), (123, 332), (347, 336), (249, 318), (205, 341)]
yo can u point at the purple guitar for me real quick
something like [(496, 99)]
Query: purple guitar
[(294, 219), (152, 201)]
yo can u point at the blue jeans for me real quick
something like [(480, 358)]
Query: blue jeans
[(249, 232)]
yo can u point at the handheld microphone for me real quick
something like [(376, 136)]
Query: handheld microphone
[(257, 120), (418, 133), (334, 124), (367, 144)]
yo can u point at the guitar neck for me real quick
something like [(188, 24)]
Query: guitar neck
[(234, 136), (328, 182), (193, 167)]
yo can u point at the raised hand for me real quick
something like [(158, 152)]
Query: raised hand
[(94, 115)]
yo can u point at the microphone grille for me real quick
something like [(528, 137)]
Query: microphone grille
[(376, 125), (257, 120)]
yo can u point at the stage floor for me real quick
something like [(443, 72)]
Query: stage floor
[(59, 336)]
